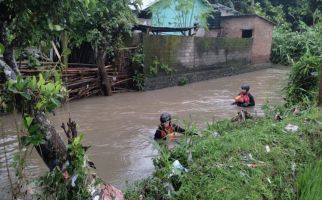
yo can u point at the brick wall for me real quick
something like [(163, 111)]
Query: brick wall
[(196, 53), (194, 58), (262, 41), (262, 34)]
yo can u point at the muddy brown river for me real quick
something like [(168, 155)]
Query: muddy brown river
[(120, 128)]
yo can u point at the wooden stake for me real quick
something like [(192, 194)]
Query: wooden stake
[(100, 61)]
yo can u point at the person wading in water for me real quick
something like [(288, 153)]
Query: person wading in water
[(244, 98), (167, 129)]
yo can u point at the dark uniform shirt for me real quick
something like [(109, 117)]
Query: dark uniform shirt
[(161, 132)]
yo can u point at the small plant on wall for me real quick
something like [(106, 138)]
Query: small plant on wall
[(157, 67), (153, 69), (138, 61), (166, 69), (183, 81), (138, 58), (138, 80)]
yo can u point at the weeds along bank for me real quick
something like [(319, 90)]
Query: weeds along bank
[(255, 159)]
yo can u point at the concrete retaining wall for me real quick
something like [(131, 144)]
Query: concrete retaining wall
[(194, 59)]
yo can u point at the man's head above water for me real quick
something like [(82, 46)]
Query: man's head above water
[(245, 88), (165, 118)]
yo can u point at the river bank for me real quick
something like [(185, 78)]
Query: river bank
[(255, 159)]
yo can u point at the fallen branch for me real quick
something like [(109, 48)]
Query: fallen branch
[(242, 116)]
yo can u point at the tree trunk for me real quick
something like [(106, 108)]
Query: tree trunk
[(8, 72), (320, 91), (53, 151), (65, 53), (105, 83), (8, 55)]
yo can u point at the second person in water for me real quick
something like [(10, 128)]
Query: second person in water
[(244, 98)]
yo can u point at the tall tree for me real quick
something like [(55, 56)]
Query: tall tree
[(23, 22), (103, 23)]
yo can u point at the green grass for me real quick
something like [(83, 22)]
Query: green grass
[(220, 167), (310, 182)]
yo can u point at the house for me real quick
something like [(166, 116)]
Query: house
[(173, 13), (223, 22), (250, 26), (170, 15)]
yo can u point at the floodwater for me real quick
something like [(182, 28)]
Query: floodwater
[(120, 128)]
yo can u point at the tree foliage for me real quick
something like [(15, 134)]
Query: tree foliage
[(182, 10), (103, 23), (289, 46), (302, 87), (279, 11)]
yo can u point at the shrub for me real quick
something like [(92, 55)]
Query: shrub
[(303, 81)]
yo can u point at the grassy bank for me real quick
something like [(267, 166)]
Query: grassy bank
[(255, 159)]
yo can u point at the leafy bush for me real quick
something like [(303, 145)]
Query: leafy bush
[(138, 79), (157, 66), (70, 184), (38, 93), (302, 86), (183, 81), (288, 46)]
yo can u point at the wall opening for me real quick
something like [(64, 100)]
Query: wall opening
[(247, 33)]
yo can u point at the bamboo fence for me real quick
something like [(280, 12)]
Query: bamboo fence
[(83, 80)]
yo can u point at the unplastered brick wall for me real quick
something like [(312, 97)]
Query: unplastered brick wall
[(262, 34), (188, 54)]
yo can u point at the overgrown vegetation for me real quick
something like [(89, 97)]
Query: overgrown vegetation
[(302, 87), (138, 64), (37, 93), (138, 79), (251, 160), (157, 66), (310, 181), (279, 11), (301, 49), (31, 95), (71, 183), (288, 47), (183, 81), (69, 176)]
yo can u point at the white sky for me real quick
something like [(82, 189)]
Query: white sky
[(147, 3)]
